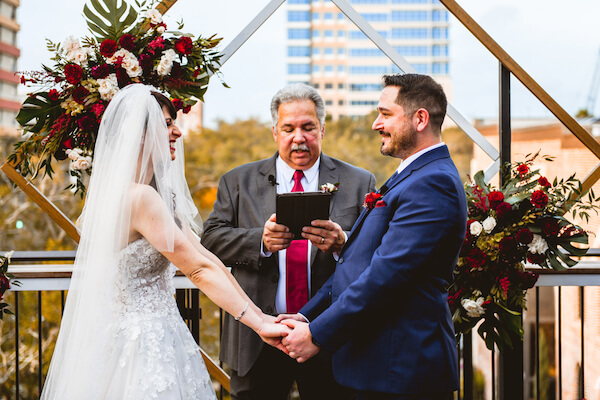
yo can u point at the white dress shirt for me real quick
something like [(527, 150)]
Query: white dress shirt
[(285, 183)]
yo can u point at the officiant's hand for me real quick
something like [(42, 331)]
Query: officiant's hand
[(276, 236), (326, 235), (299, 341)]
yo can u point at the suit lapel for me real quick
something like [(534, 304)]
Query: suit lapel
[(267, 192)]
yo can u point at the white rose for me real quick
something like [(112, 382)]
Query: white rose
[(327, 187), (489, 224), (81, 163), (154, 15), (74, 154), (132, 66), (161, 29), (71, 44), (124, 54), (473, 308), (538, 245), (108, 87), (166, 62), (476, 228)]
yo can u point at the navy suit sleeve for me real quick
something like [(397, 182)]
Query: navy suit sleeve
[(419, 224)]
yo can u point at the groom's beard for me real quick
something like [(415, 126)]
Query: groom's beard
[(400, 145)]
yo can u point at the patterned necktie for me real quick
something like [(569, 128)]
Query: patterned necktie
[(296, 265)]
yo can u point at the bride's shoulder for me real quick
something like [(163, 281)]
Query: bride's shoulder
[(143, 195)]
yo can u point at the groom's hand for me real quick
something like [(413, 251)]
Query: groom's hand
[(299, 342), (326, 235), (295, 317)]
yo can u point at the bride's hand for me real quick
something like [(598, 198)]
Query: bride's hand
[(272, 333)]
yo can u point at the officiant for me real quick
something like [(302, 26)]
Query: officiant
[(278, 271)]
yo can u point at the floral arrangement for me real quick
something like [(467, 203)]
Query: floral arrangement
[(329, 187), (522, 223), (372, 200), (5, 281), (61, 117)]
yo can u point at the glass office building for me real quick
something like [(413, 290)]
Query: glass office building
[(326, 50)]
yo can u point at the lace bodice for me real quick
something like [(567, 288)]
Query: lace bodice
[(144, 280)]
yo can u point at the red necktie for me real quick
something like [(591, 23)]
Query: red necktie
[(296, 265)]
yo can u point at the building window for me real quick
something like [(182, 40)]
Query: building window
[(364, 102), (340, 16), (369, 1), (298, 16), (375, 17), (297, 69), (439, 50), (329, 86), (341, 34), (365, 87), (328, 33), (340, 102), (365, 53), (410, 15), (410, 33), (413, 51), (357, 35), (439, 15), (328, 102), (316, 68), (341, 51), (316, 34), (315, 85), (422, 68), (298, 51), (328, 16), (329, 68), (328, 51), (439, 33), (340, 85), (341, 68), (316, 16), (295, 33), (298, 1), (411, 1), (316, 51), (368, 69), (439, 68)]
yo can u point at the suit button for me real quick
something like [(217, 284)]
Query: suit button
[(274, 279), (341, 260), (269, 310)]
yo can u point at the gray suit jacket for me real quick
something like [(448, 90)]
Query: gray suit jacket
[(233, 231)]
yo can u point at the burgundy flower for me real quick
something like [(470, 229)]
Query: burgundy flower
[(544, 182), (476, 259), (68, 144), (522, 169), (23, 80), (528, 279), (524, 236), (146, 63), (187, 109), (507, 247), (505, 285), (108, 47), (4, 285), (73, 73), (503, 210), (370, 200), (80, 93), (177, 103), (157, 44), (495, 198), (100, 71), (98, 110), (197, 72), (538, 259), (86, 123), (127, 42), (184, 45), (53, 95), (550, 227), (539, 199), (176, 70), (122, 77)]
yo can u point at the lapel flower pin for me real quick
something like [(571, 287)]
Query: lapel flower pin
[(372, 199), (329, 187)]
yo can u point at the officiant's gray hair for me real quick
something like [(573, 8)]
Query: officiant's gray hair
[(298, 92)]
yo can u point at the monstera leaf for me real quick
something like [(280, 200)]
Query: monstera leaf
[(36, 112), (109, 19)]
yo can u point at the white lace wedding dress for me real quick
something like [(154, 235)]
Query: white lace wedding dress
[(153, 354)]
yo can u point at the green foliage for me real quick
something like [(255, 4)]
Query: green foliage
[(120, 18)]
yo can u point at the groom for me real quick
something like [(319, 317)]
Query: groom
[(383, 314)]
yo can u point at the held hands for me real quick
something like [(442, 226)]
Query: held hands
[(298, 342), (326, 235), (272, 333)]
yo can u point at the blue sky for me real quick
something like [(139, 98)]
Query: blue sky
[(556, 43)]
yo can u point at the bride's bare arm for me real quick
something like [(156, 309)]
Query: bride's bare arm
[(211, 256), (208, 274)]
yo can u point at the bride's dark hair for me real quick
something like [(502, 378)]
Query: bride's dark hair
[(165, 102)]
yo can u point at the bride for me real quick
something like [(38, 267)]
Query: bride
[(121, 335)]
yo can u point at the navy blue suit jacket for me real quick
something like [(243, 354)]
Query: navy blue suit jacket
[(384, 313)]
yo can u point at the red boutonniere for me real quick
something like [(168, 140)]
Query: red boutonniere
[(371, 199)]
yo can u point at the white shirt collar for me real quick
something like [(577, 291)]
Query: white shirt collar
[(413, 157), (288, 172)]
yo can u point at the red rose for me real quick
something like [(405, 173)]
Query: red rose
[(100, 71), (53, 95), (4, 285), (86, 123), (524, 236), (176, 70), (495, 198), (528, 279), (177, 103), (98, 110), (108, 47), (187, 109), (73, 73), (507, 247), (476, 259), (539, 199), (544, 182), (68, 144), (503, 210), (122, 77), (539, 259), (550, 227), (522, 169), (146, 63), (80, 93), (127, 42), (184, 45), (370, 200)]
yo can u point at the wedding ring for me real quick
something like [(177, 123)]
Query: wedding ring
[(322, 240)]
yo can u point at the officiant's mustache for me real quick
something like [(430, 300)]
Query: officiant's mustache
[(300, 147)]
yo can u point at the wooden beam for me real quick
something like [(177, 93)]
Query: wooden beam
[(498, 52), (162, 7), (38, 197), (215, 371)]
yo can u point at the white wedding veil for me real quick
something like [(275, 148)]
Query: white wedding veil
[(132, 148)]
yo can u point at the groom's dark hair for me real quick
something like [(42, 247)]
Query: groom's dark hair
[(419, 91)]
